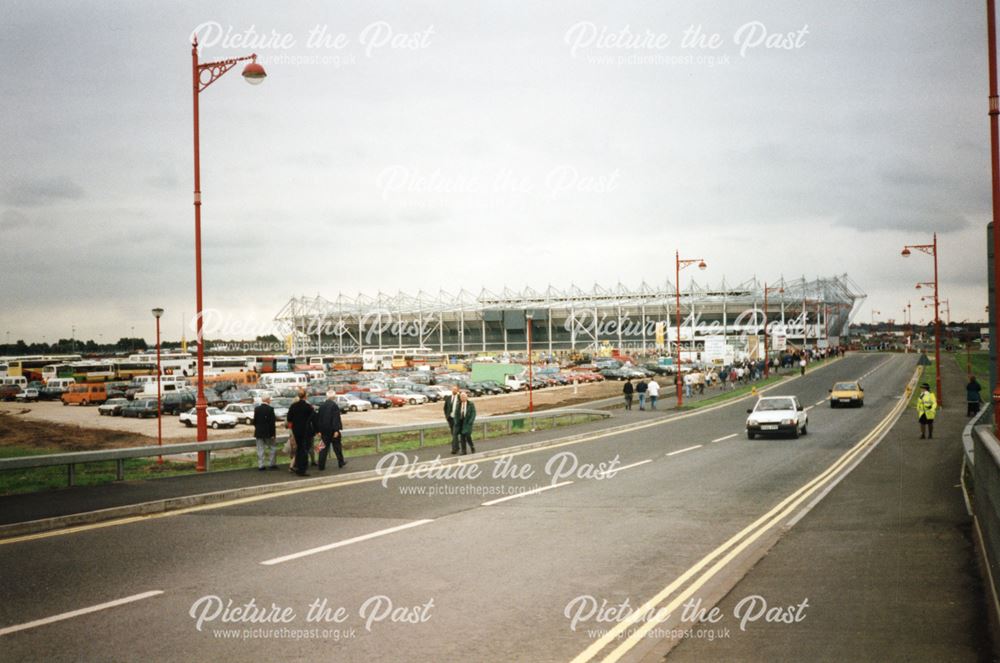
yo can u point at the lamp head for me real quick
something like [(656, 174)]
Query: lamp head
[(254, 73), (906, 252), (157, 312), (702, 265)]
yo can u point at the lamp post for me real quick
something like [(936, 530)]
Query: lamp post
[(203, 75), (157, 312), (994, 111), (528, 317), (680, 264), (931, 249), (874, 313), (72, 338)]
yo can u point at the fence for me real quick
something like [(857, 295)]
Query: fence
[(985, 496), (119, 456)]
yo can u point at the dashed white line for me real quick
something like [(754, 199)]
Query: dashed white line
[(680, 451), (345, 542), (820, 402), (727, 437), (81, 611), (611, 473), (526, 493)]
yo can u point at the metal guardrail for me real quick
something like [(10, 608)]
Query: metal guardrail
[(119, 456), (986, 501), (967, 441)]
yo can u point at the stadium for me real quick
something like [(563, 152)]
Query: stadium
[(799, 313)]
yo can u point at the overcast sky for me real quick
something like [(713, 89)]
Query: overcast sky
[(425, 146)]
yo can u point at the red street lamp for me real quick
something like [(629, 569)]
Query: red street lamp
[(529, 316), (767, 360), (157, 312), (677, 313), (994, 111), (931, 249), (203, 75)]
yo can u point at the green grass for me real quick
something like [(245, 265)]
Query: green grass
[(928, 375), (980, 365), (89, 474)]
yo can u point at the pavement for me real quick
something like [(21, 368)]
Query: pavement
[(886, 562)]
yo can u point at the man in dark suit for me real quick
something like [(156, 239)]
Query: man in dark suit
[(330, 425), (264, 431), (466, 419), (301, 419), (451, 405)]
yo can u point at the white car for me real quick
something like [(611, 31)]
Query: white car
[(411, 397), (242, 411), (774, 415), (28, 395), (352, 404), (216, 418)]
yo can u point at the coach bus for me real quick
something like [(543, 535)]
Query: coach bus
[(126, 369), (31, 367), (171, 363), (219, 365), (100, 370), (273, 363), (55, 371)]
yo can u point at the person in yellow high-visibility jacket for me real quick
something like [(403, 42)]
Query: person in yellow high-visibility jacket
[(926, 410)]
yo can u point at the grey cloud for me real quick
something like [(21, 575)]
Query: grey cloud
[(42, 191)]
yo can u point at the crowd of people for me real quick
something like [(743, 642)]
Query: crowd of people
[(305, 422)]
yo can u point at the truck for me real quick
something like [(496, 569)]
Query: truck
[(510, 374)]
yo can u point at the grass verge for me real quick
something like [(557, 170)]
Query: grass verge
[(90, 474)]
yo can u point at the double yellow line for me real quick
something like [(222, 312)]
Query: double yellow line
[(736, 545)]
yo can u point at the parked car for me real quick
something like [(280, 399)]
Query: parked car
[(777, 414), (176, 402), (53, 393), (9, 392), (140, 408), (489, 389), (27, 396), (411, 397), (375, 400), (348, 403), (112, 407), (237, 396), (216, 418), (242, 411)]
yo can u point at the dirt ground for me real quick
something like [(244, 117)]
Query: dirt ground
[(51, 425)]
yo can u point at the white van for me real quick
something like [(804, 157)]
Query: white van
[(20, 381), (284, 380), (148, 382), (60, 383)]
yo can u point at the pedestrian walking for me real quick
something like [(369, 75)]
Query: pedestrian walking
[(465, 421), (264, 425), (802, 366), (627, 391), (927, 410), (973, 396), (329, 423), (653, 391), (733, 376), (451, 405), (640, 389), (301, 421)]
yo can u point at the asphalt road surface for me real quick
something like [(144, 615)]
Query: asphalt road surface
[(459, 575)]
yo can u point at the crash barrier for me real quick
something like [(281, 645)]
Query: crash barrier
[(516, 421)]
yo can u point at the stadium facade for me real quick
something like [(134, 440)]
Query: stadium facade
[(801, 312)]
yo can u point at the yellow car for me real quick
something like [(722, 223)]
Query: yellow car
[(847, 393)]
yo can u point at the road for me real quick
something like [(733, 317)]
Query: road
[(455, 576)]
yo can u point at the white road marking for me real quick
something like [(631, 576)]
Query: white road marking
[(680, 451), (82, 611), (820, 402), (345, 542), (611, 473), (810, 407), (526, 493), (727, 437)]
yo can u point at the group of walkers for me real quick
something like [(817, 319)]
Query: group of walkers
[(305, 422), (643, 390)]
